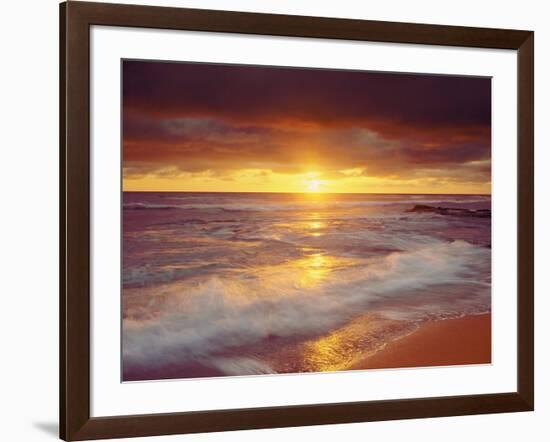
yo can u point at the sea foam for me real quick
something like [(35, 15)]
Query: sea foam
[(203, 320)]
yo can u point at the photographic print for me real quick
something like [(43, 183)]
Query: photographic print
[(281, 220)]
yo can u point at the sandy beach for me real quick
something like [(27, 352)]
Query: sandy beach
[(449, 342)]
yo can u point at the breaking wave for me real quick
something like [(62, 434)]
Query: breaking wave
[(201, 321)]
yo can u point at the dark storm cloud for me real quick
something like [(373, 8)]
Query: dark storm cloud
[(324, 96), (203, 116)]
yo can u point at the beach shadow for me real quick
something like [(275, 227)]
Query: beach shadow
[(50, 428)]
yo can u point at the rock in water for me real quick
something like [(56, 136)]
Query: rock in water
[(479, 213)]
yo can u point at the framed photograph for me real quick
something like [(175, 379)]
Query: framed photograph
[(272, 221)]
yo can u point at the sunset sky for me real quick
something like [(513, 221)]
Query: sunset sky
[(231, 128)]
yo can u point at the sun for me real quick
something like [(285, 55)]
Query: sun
[(313, 185)]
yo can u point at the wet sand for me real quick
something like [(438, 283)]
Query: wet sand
[(449, 342)]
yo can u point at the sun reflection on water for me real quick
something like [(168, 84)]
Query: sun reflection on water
[(343, 348), (313, 228), (313, 269), (315, 225)]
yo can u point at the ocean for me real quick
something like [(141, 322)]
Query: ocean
[(233, 284)]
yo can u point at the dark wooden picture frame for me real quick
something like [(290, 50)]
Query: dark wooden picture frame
[(76, 18)]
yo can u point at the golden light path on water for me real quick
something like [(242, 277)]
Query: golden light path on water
[(344, 347), (315, 267), (312, 274)]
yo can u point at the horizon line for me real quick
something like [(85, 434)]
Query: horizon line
[(307, 193)]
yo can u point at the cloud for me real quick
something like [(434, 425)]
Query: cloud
[(327, 97), (189, 118)]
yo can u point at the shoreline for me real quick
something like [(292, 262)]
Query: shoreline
[(447, 342), (461, 341)]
